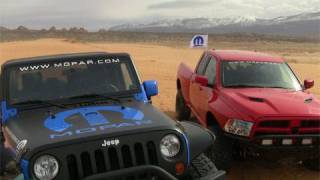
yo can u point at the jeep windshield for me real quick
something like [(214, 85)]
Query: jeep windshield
[(69, 79), (256, 74)]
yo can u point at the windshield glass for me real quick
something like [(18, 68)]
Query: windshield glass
[(258, 74), (66, 79)]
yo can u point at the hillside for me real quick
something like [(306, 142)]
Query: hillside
[(302, 25)]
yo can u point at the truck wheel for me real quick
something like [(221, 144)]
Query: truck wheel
[(201, 166), (182, 110), (221, 151), (312, 164)]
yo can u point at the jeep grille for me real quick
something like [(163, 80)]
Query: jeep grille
[(112, 158), (85, 157)]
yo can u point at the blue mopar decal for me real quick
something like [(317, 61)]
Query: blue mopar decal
[(91, 115)]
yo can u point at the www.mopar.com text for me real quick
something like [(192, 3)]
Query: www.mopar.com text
[(68, 64)]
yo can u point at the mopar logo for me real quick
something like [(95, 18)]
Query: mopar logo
[(198, 41), (95, 120)]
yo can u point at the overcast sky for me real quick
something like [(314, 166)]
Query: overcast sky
[(95, 14)]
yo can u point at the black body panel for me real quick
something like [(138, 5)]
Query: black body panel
[(29, 125)]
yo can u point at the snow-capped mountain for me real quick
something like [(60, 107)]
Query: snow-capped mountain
[(298, 17), (300, 25), (191, 23)]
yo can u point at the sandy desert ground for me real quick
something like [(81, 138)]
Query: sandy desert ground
[(161, 62)]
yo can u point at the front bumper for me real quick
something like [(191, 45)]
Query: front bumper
[(133, 171), (138, 170), (154, 170), (277, 142)]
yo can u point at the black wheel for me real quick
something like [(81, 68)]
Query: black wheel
[(221, 152), (182, 110), (2, 154), (7, 163), (312, 164), (201, 166)]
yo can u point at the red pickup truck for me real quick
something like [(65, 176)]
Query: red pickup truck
[(253, 102)]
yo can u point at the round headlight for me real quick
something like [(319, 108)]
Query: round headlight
[(46, 167), (170, 145)]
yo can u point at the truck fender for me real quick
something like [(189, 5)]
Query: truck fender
[(184, 76)]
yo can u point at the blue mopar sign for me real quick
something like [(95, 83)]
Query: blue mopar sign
[(198, 41)]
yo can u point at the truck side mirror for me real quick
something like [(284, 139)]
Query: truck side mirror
[(308, 83), (202, 80), (151, 88)]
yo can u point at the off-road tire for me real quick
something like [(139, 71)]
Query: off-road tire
[(312, 164), (2, 158), (201, 166), (221, 152), (182, 110)]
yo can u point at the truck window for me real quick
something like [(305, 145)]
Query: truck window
[(211, 71), (202, 64), (258, 74)]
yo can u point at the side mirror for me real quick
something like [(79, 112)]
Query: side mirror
[(151, 88), (202, 80), (308, 83)]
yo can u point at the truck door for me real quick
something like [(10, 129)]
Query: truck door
[(195, 88), (205, 92)]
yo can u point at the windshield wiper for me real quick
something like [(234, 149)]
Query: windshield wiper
[(242, 85), (254, 86), (98, 96), (35, 102), (281, 87)]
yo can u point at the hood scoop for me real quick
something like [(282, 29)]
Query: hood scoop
[(308, 100), (256, 99)]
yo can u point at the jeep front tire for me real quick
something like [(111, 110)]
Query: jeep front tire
[(312, 164), (221, 151), (201, 166)]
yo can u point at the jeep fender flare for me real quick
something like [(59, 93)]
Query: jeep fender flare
[(199, 139)]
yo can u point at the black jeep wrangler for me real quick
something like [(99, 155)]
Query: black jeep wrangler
[(86, 116)]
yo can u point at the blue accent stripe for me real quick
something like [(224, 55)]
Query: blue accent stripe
[(7, 113), (141, 96), (188, 148), (24, 164)]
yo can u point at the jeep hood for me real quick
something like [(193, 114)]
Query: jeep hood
[(259, 102), (45, 127)]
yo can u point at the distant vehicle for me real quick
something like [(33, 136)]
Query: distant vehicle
[(252, 102), (86, 116)]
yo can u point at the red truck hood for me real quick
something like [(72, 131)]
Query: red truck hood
[(258, 102)]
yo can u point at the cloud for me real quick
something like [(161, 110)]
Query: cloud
[(94, 14), (177, 4)]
